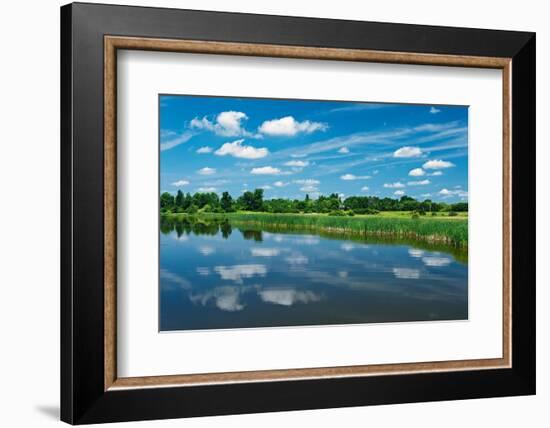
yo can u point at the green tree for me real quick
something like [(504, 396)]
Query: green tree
[(179, 199), (226, 202), (166, 201)]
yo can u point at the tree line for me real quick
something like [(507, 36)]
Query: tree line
[(254, 201)]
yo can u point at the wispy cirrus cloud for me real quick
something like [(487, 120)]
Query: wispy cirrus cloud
[(172, 139)]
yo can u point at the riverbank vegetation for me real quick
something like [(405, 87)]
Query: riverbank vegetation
[(225, 225), (357, 216)]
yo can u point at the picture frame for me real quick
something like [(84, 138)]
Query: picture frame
[(91, 35)]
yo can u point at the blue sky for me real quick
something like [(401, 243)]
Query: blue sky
[(293, 147)]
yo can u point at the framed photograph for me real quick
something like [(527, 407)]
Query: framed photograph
[(267, 213)]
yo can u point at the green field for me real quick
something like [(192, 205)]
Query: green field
[(440, 229)]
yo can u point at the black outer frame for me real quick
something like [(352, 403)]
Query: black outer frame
[(83, 399)]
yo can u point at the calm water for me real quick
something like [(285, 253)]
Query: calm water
[(226, 277)]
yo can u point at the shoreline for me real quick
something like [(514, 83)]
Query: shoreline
[(449, 232)]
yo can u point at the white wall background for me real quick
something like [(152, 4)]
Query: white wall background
[(29, 213)]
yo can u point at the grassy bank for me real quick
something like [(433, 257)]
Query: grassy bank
[(444, 230)]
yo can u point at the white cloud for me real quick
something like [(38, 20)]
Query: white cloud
[(407, 152), (307, 181), (417, 172), (288, 297), (226, 124), (236, 273), (343, 150), (434, 110), (419, 183), (396, 185), (207, 171), (399, 193), (280, 184), (448, 193), (265, 252), (225, 298), (365, 188), (207, 189), (297, 259), (175, 279), (309, 189), (350, 177), (347, 246), (416, 253), (203, 271), (288, 126), (170, 144), (437, 164), (297, 163), (180, 183), (436, 261), (436, 173), (236, 149), (406, 273), (204, 150), (265, 170), (206, 250), (265, 187)]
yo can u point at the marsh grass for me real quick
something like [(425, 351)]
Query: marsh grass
[(451, 232)]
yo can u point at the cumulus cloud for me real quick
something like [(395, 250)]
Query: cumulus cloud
[(288, 297), (207, 189), (419, 183), (265, 252), (416, 253), (407, 152), (236, 149), (309, 188), (343, 150), (225, 298), (436, 173), (406, 273), (180, 183), (236, 273), (396, 185), (437, 164), (288, 126), (307, 181), (226, 124), (265, 170), (350, 177), (448, 193), (399, 193), (417, 172), (280, 184), (204, 150), (434, 110), (206, 250), (365, 188), (207, 171), (297, 163), (436, 261)]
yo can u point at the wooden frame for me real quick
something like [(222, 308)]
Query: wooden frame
[(514, 67), (113, 43)]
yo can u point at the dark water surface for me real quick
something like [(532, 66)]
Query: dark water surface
[(226, 277)]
